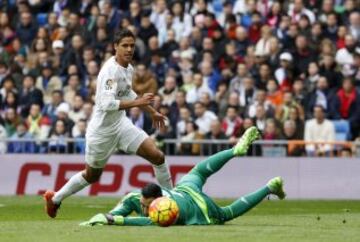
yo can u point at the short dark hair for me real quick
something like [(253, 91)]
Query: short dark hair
[(151, 190), (123, 33)]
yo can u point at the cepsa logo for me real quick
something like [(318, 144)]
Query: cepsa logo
[(116, 170)]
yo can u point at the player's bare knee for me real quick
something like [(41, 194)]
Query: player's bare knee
[(159, 158), (92, 178)]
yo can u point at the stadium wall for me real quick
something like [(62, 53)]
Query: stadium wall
[(306, 178)]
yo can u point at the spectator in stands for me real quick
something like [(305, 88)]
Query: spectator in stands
[(170, 45), (50, 109), (113, 14), (232, 123), (346, 105), (263, 76), (271, 132), (319, 129), (289, 133), (38, 46), (48, 82), (209, 104), (346, 55), (332, 26), (158, 16), (158, 65), (236, 84), (354, 24), (203, 118), (242, 40), (58, 58), (211, 76), (182, 21), (11, 101), (79, 136), (221, 98), (74, 54), (297, 9), (8, 85), (141, 119), (299, 93), (58, 136), (26, 28), (76, 112), (147, 29), (295, 116), (19, 145), (87, 109), (11, 121), (284, 73), (193, 95), (260, 99), (29, 95), (289, 130), (92, 70), (62, 113), (169, 90), (313, 76), (320, 96), (72, 88), (144, 81), (38, 125), (184, 117), (180, 102), (3, 135), (4, 72), (283, 111), (247, 94), (215, 133), (191, 134), (260, 118), (273, 94)]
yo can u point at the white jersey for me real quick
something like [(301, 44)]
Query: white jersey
[(113, 85)]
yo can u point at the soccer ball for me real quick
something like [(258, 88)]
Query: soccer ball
[(163, 211)]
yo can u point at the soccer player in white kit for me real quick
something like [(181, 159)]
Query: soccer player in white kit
[(109, 128)]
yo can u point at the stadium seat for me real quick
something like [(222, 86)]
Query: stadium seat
[(342, 130), (41, 19)]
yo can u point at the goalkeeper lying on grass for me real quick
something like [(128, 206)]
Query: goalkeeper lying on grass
[(196, 208)]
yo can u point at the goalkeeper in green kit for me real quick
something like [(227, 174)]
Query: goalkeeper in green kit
[(195, 207)]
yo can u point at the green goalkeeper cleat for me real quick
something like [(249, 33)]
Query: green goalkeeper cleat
[(276, 186), (242, 146)]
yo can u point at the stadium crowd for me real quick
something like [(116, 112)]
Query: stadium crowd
[(217, 67)]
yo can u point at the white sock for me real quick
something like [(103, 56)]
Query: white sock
[(163, 176), (75, 184)]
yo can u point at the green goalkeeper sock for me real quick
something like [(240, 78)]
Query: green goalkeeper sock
[(244, 204), (214, 163)]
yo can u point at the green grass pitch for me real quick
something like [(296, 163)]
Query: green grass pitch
[(23, 219)]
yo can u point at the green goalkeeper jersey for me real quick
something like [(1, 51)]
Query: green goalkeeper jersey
[(196, 208)]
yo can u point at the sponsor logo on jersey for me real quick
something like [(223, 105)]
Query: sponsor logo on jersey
[(109, 84), (124, 92)]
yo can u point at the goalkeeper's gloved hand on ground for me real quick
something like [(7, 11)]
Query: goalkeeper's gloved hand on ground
[(103, 219)]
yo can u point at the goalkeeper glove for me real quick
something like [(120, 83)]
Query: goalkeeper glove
[(104, 219)]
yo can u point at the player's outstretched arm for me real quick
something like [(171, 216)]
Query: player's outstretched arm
[(108, 219), (141, 102)]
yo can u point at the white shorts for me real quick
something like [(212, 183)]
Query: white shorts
[(100, 147)]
